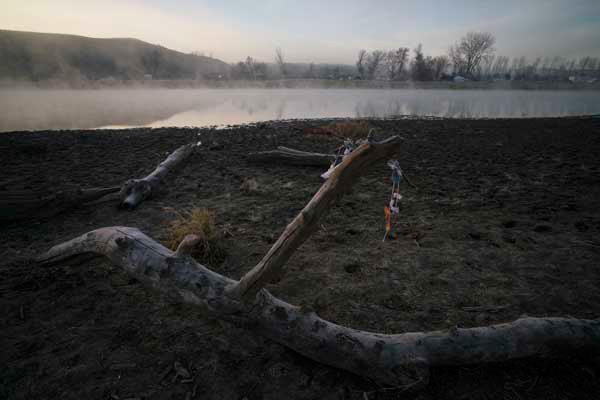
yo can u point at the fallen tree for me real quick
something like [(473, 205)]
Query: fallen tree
[(135, 191), (292, 156), (400, 359), (18, 205)]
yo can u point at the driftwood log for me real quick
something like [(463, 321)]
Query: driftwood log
[(290, 156), (18, 205), (135, 191), (395, 360)]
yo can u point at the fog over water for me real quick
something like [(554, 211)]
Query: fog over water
[(30, 109)]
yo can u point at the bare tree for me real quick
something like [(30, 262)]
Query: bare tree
[(374, 61), (592, 65), (280, 61), (500, 68), (310, 72), (485, 69), (468, 53), (250, 67), (440, 65), (360, 63), (533, 69), (395, 61), (420, 65), (583, 65)]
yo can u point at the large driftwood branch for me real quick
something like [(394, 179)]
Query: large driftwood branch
[(134, 191), (292, 156), (341, 180), (17, 205), (402, 359)]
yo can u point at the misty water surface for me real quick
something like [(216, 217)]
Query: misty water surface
[(78, 109)]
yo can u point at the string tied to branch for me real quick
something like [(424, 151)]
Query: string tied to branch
[(395, 197)]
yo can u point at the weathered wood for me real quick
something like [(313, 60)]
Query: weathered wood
[(135, 191), (20, 205), (300, 229), (17, 205), (292, 156), (401, 359)]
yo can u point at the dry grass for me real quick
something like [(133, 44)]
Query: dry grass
[(343, 129), (201, 222)]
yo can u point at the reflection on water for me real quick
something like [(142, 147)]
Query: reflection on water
[(79, 109)]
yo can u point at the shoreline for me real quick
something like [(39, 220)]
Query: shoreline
[(300, 84), (272, 122)]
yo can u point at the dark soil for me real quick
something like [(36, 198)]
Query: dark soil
[(505, 222)]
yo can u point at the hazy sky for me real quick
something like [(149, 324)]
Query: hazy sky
[(319, 30)]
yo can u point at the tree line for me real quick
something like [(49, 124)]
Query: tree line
[(472, 57)]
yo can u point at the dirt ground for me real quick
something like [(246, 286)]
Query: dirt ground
[(505, 223)]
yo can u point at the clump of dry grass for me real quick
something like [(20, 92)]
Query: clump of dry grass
[(200, 222), (348, 129), (343, 129)]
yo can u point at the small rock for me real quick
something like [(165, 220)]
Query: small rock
[(180, 371)]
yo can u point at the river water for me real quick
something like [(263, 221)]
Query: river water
[(35, 109)]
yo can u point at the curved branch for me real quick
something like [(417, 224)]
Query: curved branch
[(402, 359)]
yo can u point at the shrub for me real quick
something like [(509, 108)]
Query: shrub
[(201, 222), (347, 129)]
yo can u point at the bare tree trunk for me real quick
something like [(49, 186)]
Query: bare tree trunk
[(16, 205), (292, 157), (134, 191), (402, 359)]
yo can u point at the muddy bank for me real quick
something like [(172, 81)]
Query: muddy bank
[(504, 223)]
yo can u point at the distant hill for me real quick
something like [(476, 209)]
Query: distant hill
[(43, 56)]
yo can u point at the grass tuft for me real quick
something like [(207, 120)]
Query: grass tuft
[(347, 129), (201, 222)]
